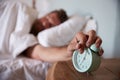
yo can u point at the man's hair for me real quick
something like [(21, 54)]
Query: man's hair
[(61, 14)]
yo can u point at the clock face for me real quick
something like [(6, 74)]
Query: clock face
[(82, 62)]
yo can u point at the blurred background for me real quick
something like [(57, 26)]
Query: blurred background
[(106, 12)]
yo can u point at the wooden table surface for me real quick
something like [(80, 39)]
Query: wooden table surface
[(108, 70)]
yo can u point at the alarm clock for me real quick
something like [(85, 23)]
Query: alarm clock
[(87, 61)]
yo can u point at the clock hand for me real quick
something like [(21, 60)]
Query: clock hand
[(83, 58)]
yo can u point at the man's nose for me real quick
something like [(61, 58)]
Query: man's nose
[(46, 24)]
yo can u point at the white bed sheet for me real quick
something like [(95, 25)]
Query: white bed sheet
[(23, 68)]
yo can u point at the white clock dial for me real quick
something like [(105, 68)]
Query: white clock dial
[(82, 61), (87, 61)]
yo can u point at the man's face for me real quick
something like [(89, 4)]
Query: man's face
[(45, 22), (50, 20)]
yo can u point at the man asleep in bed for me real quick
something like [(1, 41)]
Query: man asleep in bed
[(16, 19), (60, 53)]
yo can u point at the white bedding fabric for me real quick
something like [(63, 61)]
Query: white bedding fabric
[(15, 23), (16, 20), (23, 68)]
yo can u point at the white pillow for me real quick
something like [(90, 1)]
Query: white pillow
[(62, 34)]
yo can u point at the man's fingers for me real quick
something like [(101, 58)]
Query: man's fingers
[(98, 42), (101, 51), (79, 42), (91, 38), (71, 47), (81, 38)]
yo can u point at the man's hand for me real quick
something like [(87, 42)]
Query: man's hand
[(82, 40)]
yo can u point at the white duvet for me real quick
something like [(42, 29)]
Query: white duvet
[(15, 23)]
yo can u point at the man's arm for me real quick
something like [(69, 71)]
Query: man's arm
[(48, 54)]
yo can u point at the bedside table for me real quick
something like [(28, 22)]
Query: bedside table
[(108, 70)]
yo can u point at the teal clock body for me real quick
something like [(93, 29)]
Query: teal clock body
[(88, 61)]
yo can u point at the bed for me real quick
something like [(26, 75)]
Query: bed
[(13, 65), (20, 67)]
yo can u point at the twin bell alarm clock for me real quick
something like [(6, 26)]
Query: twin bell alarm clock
[(87, 61)]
